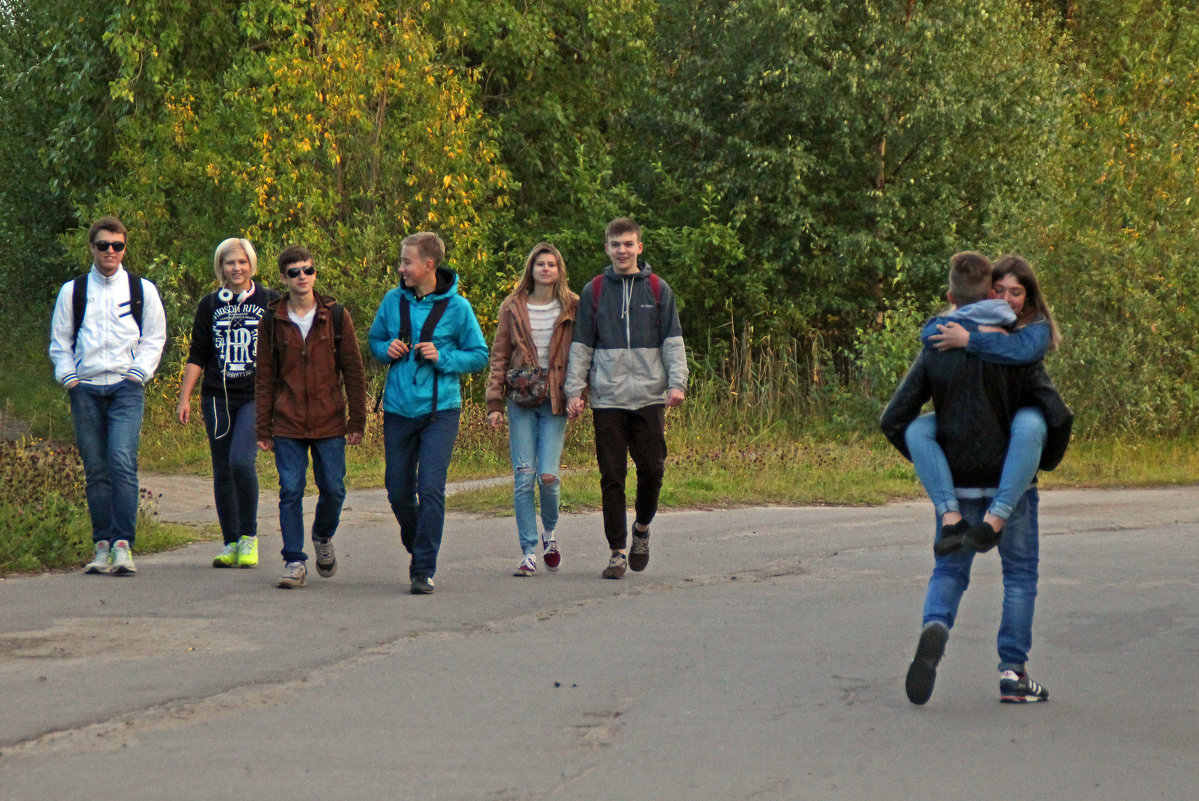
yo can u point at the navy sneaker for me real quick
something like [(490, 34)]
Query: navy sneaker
[(922, 673), (1018, 688)]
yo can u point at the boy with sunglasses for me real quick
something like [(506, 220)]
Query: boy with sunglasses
[(307, 355), (106, 339)]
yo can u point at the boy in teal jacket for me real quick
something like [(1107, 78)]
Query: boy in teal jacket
[(428, 335)]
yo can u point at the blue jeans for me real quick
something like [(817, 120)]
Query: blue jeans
[(1026, 442), (535, 439), (1019, 551), (231, 438), (417, 453), (108, 427), (329, 471)]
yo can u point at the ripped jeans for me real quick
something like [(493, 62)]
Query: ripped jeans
[(535, 439)]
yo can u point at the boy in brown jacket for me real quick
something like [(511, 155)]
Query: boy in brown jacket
[(307, 352)]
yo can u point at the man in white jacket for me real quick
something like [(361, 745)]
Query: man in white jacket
[(104, 357)]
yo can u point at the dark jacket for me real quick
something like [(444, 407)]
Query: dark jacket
[(513, 348), (975, 402), (302, 398), (225, 342)]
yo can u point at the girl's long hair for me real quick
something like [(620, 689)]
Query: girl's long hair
[(561, 288), (1035, 306)]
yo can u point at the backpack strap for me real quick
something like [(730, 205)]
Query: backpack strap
[(338, 312), (79, 303), (267, 326), (405, 321), (136, 299), (426, 335)]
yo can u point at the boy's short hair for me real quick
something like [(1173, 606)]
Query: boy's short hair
[(622, 225), (292, 254), (106, 223), (428, 246), (969, 277), (223, 249)]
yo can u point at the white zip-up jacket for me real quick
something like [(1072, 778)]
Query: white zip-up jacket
[(109, 347)]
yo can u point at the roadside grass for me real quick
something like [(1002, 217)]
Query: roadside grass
[(44, 512)]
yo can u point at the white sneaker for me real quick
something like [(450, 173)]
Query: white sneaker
[(293, 576), (528, 566), (102, 561), (122, 559)]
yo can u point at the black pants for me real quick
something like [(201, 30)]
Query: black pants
[(619, 434)]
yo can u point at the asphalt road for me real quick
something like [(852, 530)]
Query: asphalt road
[(761, 656)]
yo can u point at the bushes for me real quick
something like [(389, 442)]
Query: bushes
[(42, 506), (43, 510)]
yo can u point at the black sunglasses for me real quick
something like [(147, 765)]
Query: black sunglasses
[(103, 246), (294, 272)]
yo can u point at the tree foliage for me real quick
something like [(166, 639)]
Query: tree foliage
[(802, 169), (849, 146)]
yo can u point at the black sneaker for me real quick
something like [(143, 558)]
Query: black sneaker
[(616, 566), (639, 552), (923, 671), (952, 538), (1018, 688), (422, 585), (982, 537)]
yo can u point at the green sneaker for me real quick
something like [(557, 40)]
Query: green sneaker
[(227, 557), (247, 552)]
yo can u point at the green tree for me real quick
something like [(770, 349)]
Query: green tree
[(560, 80), (844, 149), (1115, 239), (57, 133), (332, 125)]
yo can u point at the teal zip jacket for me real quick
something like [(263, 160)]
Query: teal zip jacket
[(459, 341)]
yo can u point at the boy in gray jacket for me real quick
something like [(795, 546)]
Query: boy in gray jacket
[(628, 351)]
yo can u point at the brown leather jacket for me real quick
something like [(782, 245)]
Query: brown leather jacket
[(513, 348), (305, 399)]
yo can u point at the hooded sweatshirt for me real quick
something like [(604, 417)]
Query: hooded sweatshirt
[(629, 348), (461, 348)]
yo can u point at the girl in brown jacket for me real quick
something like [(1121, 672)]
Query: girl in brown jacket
[(528, 370)]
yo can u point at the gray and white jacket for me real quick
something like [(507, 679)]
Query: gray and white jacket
[(629, 350)]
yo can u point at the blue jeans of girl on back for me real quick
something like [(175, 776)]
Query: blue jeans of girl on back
[(535, 439), (1027, 440)]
